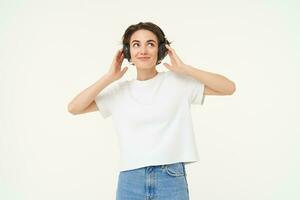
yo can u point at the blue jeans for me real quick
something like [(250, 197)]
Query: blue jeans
[(160, 182)]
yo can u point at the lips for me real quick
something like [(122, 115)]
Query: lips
[(144, 58)]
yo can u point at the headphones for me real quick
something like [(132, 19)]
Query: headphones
[(162, 51)]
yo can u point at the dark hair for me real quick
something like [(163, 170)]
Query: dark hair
[(162, 40)]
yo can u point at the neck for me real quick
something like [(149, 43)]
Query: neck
[(145, 74)]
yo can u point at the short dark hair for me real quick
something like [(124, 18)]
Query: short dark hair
[(156, 30)]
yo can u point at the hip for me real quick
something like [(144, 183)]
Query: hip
[(159, 182)]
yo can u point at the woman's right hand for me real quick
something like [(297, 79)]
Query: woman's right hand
[(115, 71)]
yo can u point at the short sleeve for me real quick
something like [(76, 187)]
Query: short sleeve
[(191, 88), (195, 90), (106, 99)]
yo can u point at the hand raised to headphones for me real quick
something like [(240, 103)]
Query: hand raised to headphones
[(176, 63), (115, 71)]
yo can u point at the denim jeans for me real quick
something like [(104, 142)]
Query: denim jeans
[(159, 182)]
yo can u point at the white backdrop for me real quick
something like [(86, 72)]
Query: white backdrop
[(52, 50)]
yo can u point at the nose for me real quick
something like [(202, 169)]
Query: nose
[(143, 50)]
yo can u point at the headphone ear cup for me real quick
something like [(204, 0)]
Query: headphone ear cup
[(126, 52), (162, 52)]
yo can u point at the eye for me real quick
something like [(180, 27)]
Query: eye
[(135, 44), (151, 44)]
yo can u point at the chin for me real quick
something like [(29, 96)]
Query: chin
[(145, 65)]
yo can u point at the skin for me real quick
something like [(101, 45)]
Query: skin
[(143, 43), (215, 84)]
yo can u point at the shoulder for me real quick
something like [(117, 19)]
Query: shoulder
[(178, 77), (172, 75), (121, 84)]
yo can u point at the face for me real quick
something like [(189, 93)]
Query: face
[(144, 49)]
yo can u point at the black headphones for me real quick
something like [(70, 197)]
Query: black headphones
[(162, 51)]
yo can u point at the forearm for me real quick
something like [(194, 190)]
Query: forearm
[(84, 99), (214, 81)]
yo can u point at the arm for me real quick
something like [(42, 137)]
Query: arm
[(87, 96), (215, 84), (85, 101)]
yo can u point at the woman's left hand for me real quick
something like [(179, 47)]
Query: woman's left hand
[(176, 64)]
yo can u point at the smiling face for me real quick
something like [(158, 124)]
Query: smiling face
[(144, 49)]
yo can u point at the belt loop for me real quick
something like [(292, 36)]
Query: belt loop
[(184, 168), (149, 169)]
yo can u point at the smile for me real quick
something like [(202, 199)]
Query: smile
[(144, 58)]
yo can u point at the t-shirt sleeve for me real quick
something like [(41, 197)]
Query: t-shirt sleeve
[(106, 100), (191, 88), (195, 90)]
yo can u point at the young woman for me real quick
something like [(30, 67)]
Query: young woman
[(151, 114)]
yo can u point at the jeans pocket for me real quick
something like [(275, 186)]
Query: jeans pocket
[(175, 169)]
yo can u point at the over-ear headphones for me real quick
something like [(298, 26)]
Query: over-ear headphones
[(162, 51)]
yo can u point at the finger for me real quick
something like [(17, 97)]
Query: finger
[(119, 53), (124, 70), (169, 48), (121, 56), (167, 65), (173, 54), (118, 60), (171, 51)]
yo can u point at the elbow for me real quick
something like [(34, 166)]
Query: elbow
[(232, 88), (71, 109)]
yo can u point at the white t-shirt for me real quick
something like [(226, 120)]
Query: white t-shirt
[(152, 118)]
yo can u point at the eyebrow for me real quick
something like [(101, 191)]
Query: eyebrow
[(147, 41)]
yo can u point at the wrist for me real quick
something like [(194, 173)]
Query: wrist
[(187, 69), (108, 78)]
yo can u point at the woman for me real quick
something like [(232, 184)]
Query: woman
[(151, 113)]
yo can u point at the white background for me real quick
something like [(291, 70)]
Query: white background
[(51, 50)]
